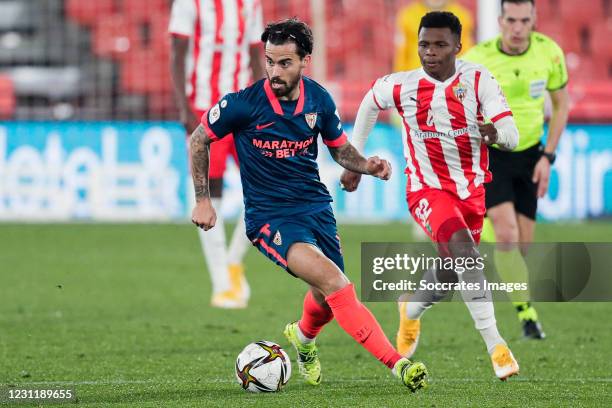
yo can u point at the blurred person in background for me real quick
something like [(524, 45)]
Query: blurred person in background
[(406, 54), (528, 65), (215, 50)]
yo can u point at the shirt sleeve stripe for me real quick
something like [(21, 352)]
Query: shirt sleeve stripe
[(501, 116), (376, 101), (557, 88), (339, 141)]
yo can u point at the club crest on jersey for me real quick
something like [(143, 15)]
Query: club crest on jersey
[(214, 114), (277, 239), (460, 91), (311, 119)]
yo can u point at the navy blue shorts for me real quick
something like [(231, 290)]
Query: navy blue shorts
[(275, 237)]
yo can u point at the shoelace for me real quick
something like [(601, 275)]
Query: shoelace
[(307, 357)]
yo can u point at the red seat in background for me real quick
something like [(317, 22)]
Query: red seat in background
[(144, 71), (276, 10), (89, 12), (116, 36), (145, 10), (601, 39), (591, 101), (546, 10), (568, 37), (7, 97), (159, 39), (579, 13)]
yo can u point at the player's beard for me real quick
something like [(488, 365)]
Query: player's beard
[(286, 89)]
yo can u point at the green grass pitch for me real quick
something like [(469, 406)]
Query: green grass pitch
[(120, 314)]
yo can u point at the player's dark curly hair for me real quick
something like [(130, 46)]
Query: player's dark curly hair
[(442, 19), (291, 29)]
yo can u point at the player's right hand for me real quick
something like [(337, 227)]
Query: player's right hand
[(378, 167), (349, 180), (189, 120), (204, 215)]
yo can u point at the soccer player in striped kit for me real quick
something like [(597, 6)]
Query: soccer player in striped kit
[(215, 51), (443, 106)]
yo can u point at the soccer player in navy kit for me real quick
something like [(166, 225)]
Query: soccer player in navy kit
[(276, 123)]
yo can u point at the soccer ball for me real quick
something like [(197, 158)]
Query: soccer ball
[(263, 366)]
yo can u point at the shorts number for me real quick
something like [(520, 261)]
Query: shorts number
[(422, 212)]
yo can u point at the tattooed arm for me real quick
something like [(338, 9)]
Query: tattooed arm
[(349, 158), (203, 214)]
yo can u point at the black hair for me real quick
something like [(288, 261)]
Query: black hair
[(441, 19), (517, 2), (291, 29)]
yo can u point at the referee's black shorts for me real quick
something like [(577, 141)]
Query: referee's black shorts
[(512, 175)]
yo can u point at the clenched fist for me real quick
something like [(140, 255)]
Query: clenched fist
[(204, 215), (349, 180), (488, 132), (378, 167)]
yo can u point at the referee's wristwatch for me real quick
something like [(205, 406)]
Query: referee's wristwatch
[(550, 156)]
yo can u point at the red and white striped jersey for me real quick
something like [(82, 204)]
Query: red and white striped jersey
[(442, 144), (221, 32)]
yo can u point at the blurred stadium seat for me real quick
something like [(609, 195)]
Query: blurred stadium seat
[(116, 36), (120, 50), (7, 97), (578, 12), (141, 9), (600, 39), (89, 12), (568, 37)]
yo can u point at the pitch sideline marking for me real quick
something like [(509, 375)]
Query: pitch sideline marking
[(434, 380)]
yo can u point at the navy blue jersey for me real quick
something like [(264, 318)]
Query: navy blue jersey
[(276, 142)]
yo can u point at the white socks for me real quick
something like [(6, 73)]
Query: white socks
[(213, 247), (480, 305), (239, 244), (481, 309), (424, 299), (414, 310), (302, 337), (218, 257), (491, 337)]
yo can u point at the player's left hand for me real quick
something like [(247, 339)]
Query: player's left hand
[(541, 176), (378, 167), (488, 132)]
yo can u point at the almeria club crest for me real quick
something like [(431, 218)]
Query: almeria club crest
[(460, 91), (311, 119)]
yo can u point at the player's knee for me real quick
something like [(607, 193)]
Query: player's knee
[(468, 261), (461, 245), (507, 233), (506, 229), (333, 283), (318, 296)]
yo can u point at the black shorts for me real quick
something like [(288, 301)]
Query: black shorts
[(512, 174)]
